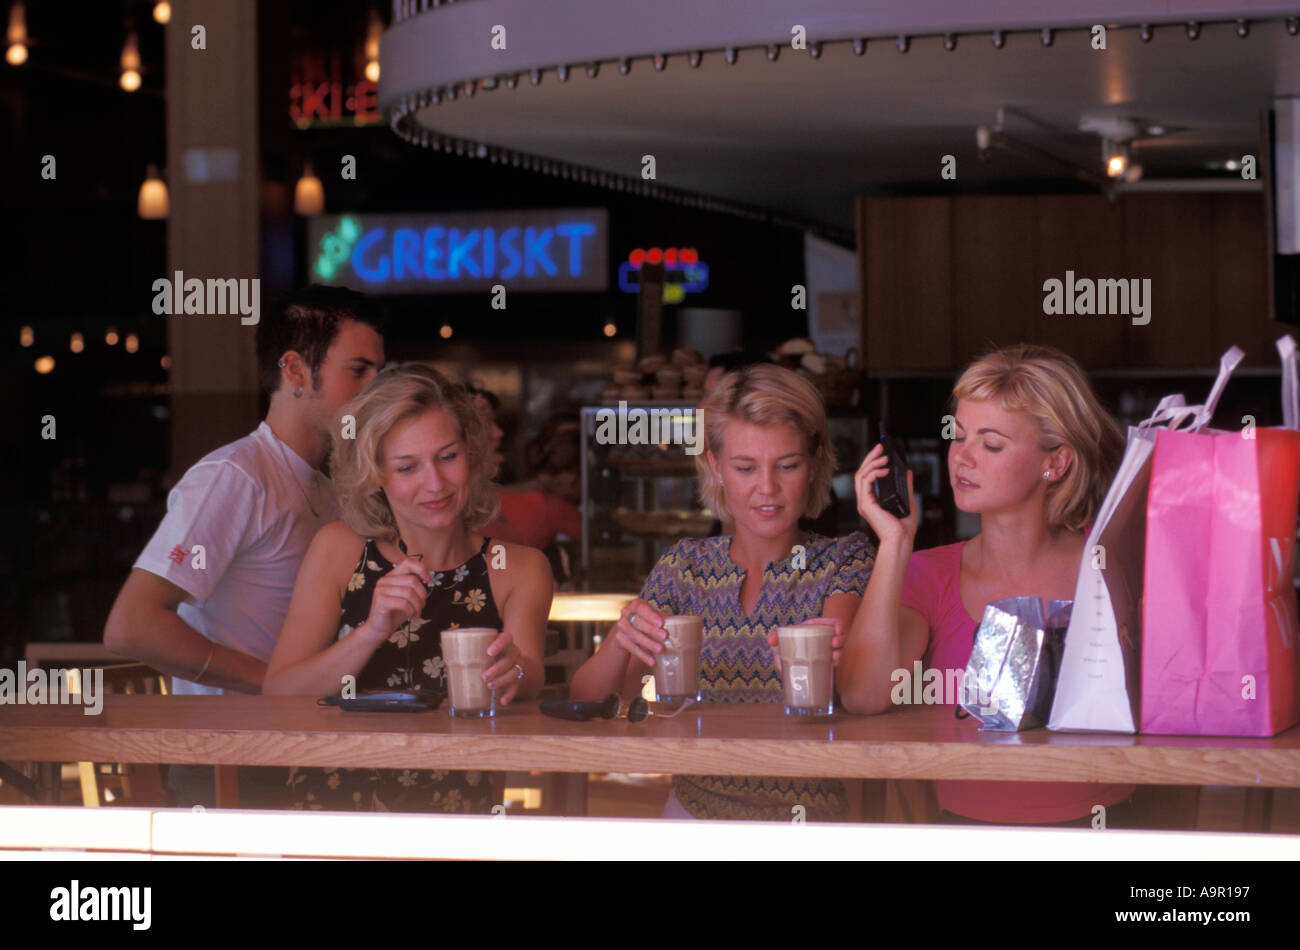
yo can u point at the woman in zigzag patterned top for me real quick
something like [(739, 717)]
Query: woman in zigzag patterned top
[(767, 462)]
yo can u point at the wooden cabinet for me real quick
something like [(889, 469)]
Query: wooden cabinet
[(908, 284), (944, 279)]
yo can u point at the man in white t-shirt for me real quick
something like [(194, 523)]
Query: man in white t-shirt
[(207, 597)]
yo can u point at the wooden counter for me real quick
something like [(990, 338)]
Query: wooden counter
[(721, 739)]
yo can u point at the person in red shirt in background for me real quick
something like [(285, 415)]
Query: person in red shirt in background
[(543, 511)]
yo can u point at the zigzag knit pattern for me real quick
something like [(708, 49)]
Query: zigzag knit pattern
[(736, 663)]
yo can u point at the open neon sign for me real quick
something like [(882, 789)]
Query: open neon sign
[(684, 272), (531, 250)]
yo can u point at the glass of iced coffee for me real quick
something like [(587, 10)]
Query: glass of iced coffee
[(807, 670), (464, 651), (677, 668)]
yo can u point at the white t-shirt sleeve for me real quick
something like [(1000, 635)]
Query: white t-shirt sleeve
[(210, 517)]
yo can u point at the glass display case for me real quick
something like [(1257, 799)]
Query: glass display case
[(639, 491)]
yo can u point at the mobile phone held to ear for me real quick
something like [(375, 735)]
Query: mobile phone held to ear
[(891, 491), (385, 700)]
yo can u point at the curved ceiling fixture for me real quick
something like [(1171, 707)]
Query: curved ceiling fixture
[(427, 56)]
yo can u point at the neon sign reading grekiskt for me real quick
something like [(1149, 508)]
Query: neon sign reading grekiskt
[(449, 253), (533, 249)]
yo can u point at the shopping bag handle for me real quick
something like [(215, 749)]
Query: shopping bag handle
[(1290, 395), (1170, 412), (1227, 363)]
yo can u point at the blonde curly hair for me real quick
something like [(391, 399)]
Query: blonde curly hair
[(393, 396)]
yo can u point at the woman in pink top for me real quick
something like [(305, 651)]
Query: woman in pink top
[(1032, 452)]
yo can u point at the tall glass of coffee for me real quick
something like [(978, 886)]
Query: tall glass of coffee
[(677, 668), (464, 650), (807, 670)]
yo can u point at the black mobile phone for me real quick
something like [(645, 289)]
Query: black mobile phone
[(581, 710), (385, 700), (891, 491)]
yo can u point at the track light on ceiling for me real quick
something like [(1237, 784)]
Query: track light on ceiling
[(999, 39), (950, 41), (659, 60), (1243, 28), (1145, 32), (624, 66), (1046, 36), (1193, 30), (859, 47), (730, 54), (773, 51), (904, 44), (694, 59)]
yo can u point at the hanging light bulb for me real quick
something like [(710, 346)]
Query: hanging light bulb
[(16, 36), (77, 343), (152, 203), (111, 337), (373, 31), (26, 337), (45, 365), (309, 193), (445, 331), (162, 12), (132, 343), (130, 78), (165, 361), (1115, 154), (610, 329)]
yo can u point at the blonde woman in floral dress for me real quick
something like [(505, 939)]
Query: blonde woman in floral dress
[(406, 562)]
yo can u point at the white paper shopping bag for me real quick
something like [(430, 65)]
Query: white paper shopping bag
[(1100, 680)]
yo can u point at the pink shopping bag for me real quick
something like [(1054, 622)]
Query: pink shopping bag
[(1219, 650)]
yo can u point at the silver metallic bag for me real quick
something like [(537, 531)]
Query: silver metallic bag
[(1011, 675)]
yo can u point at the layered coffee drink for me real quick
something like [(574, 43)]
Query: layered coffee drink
[(807, 670), (464, 650), (677, 668)]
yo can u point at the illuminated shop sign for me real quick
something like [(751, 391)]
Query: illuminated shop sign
[(456, 253), (684, 272)]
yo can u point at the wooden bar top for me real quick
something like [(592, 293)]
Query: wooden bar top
[(917, 742)]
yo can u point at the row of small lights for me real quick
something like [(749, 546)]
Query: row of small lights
[(77, 343), (128, 79), (401, 113), (445, 331), (152, 202)]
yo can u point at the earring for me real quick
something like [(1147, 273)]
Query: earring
[(297, 394), (1047, 475), (281, 364)]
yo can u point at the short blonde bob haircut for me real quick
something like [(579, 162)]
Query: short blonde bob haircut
[(1052, 390), (766, 395), (395, 395)]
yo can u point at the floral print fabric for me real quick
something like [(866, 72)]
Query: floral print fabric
[(410, 658)]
